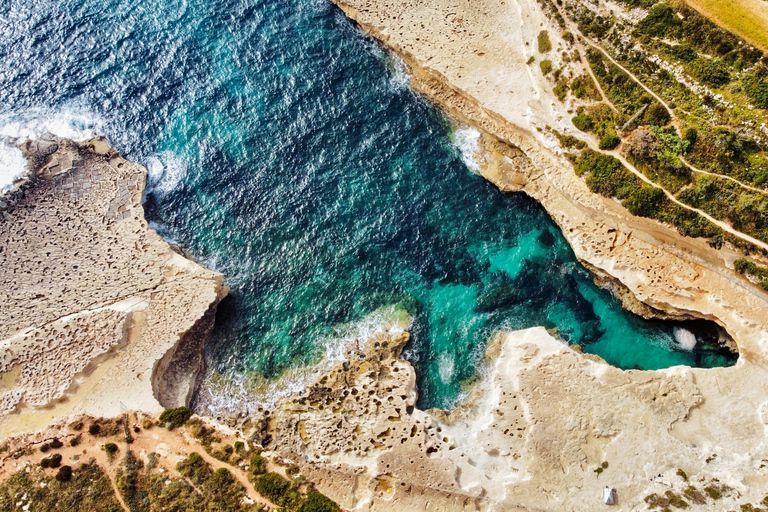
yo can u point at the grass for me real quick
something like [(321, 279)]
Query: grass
[(746, 18)]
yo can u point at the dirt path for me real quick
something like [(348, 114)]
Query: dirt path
[(173, 441), (675, 120), (723, 225)]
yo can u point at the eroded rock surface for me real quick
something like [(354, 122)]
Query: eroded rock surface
[(547, 429), (93, 299)]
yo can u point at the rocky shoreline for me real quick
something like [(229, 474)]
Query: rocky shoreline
[(103, 316), (99, 313)]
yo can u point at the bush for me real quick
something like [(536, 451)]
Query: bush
[(175, 417), (64, 474), (644, 202), (56, 444), (691, 136), (657, 115), (272, 486), (317, 502), (111, 449), (659, 21), (583, 122), (94, 429), (607, 176), (258, 465), (546, 67), (75, 440), (53, 461), (544, 43), (610, 141), (711, 72)]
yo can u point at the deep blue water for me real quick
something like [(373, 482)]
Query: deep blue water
[(286, 151)]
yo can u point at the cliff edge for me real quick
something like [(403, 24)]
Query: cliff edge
[(99, 313)]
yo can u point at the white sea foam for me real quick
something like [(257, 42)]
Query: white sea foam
[(165, 171), (13, 165), (466, 141), (686, 340), (400, 78), (33, 124), (69, 123), (235, 393), (445, 367)]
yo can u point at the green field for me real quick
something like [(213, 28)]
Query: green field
[(746, 18)]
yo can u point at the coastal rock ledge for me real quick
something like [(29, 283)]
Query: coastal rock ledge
[(99, 314)]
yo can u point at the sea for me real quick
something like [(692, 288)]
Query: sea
[(286, 149)]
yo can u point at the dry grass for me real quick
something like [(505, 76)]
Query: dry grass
[(745, 18)]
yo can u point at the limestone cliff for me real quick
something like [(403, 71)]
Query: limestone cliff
[(95, 303)]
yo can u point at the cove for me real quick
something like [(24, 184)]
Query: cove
[(286, 151)]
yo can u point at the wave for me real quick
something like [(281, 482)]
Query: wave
[(232, 394), (13, 165), (68, 123), (685, 339), (466, 141), (165, 171), (19, 127)]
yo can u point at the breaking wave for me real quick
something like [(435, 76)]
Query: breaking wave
[(466, 141)]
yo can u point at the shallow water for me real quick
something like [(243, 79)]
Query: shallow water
[(286, 150)]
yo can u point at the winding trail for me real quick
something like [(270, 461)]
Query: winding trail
[(676, 123), (723, 225), (675, 120)]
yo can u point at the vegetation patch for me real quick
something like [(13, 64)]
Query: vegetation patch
[(173, 418), (545, 44), (87, 488), (743, 266)]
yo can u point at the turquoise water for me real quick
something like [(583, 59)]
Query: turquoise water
[(286, 151)]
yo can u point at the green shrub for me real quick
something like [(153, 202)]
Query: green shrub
[(258, 465), (75, 440), (544, 43), (53, 461), (561, 89), (64, 474), (645, 202), (659, 21), (691, 136), (531, 60), (568, 37), (610, 141), (317, 502), (175, 417), (584, 87), (546, 66), (583, 122), (712, 72), (272, 486), (606, 175), (111, 449), (94, 429), (657, 115)]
